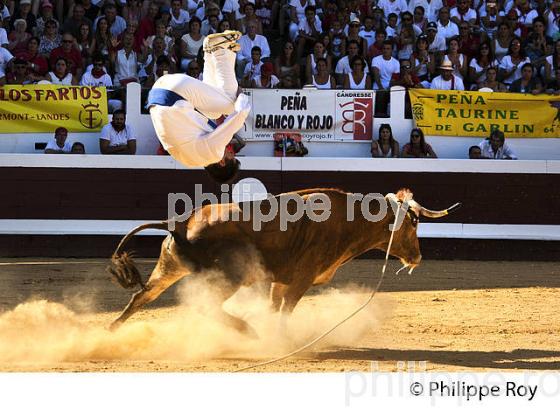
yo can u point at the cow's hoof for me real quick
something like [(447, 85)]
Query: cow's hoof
[(114, 326)]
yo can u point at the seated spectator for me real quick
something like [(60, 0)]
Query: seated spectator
[(553, 86), (210, 23), (343, 66), (406, 77), (510, 66), (20, 74), (92, 10), (525, 15), (3, 34), (179, 19), (78, 148), (125, 62), (538, 45), (423, 62), (475, 152), (288, 82), (70, 53), (46, 15), (368, 32), (480, 63), (247, 42), (253, 68), (462, 13), (391, 28), (419, 15), (447, 80), (163, 66), (405, 42), (50, 39), (161, 31), (337, 40), (469, 43), (446, 28), (98, 77), (417, 147), (194, 70), (323, 79), (384, 66), (59, 145), (72, 24), (552, 62), (297, 15), (103, 39), (191, 43), (528, 83), (38, 65), (117, 24), (147, 25), (5, 58), (354, 35), (286, 64), (490, 19), (266, 79), (61, 74), (436, 42), (267, 12), (309, 31), (249, 16), (385, 146), (117, 137), (358, 79), (18, 37), (131, 11), (491, 81), (84, 42), (494, 147), (319, 52), (24, 13), (377, 47), (458, 60), (551, 15)]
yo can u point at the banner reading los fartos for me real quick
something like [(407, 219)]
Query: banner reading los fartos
[(475, 114), (43, 108)]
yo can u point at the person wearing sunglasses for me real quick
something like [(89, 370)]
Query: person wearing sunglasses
[(417, 147)]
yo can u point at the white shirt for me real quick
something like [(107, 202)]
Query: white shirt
[(393, 6), (438, 44), (126, 67), (306, 28), (448, 31), (553, 25), (117, 138), (247, 44), (477, 68), (439, 83), (181, 21), (252, 69), (5, 57), (430, 8), (507, 65), (67, 148), (343, 66), (89, 79), (386, 69), (468, 16), (274, 81), (300, 10), (503, 151), (369, 36), (3, 36), (66, 80), (118, 26)]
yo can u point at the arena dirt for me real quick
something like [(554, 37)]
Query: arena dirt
[(449, 315)]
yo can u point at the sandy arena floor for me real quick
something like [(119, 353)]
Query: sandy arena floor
[(447, 316)]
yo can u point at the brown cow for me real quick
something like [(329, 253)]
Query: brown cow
[(306, 253)]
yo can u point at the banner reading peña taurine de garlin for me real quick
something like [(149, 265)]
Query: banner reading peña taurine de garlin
[(43, 108), (475, 114)]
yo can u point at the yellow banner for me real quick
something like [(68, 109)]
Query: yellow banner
[(475, 114), (43, 108)]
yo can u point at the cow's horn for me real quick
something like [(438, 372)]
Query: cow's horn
[(438, 214)]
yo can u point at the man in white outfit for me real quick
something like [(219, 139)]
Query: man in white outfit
[(182, 109)]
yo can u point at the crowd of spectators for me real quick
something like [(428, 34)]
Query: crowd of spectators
[(503, 45)]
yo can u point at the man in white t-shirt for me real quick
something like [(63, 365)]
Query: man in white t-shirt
[(384, 66), (462, 12), (393, 6), (447, 80), (446, 28), (343, 65), (5, 58), (59, 145), (117, 138)]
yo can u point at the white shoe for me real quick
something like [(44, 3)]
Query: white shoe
[(226, 40)]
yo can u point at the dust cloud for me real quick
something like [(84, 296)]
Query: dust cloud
[(42, 331)]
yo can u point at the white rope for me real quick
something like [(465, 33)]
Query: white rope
[(354, 313)]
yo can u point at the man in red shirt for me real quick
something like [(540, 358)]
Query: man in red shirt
[(406, 78), (70, 53), (147, 25)]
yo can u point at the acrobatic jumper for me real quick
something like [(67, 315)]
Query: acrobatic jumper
[(182, 109)]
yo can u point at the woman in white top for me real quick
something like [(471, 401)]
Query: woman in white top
[(311, 63), (501, 41), (479, 64), (358, 78), (61, 75), (552, 62), (385, 146), (323, 79), (458, 60), (191, 43), (161, 31), (510, 66)]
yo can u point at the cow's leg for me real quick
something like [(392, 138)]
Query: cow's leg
[(277, 291), (292, 295)]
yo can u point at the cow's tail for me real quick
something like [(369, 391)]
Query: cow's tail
[(122, 265)]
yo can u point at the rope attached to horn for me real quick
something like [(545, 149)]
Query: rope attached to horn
[(351, 315)]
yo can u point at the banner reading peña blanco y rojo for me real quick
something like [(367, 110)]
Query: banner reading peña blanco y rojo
[(43, 108), (475, 114)]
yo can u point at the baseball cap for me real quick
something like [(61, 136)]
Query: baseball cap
[(432, 25), (22, 2), (355, 20), (46, 4)]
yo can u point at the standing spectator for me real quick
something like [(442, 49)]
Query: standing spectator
[(61, 75), (358, 79), (446, 28), (191, 42), (528, 83), (494, 147), (309, 31), (510, 66), (458, 60), (286, 64), (248, 41), (125, 62), (447, 80), (50, 39), (253, 68), (116, 23), (323, 79), (266, 79), (5, 58), (72, 24), (385, 146), (480, 63), (24, 13), (18, 37), (59, 145), (417, 147), (311, 60), (117, 137), (70, 53), (491, 81), (384, 66)]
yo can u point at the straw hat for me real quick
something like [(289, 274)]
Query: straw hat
[(447, 66)]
